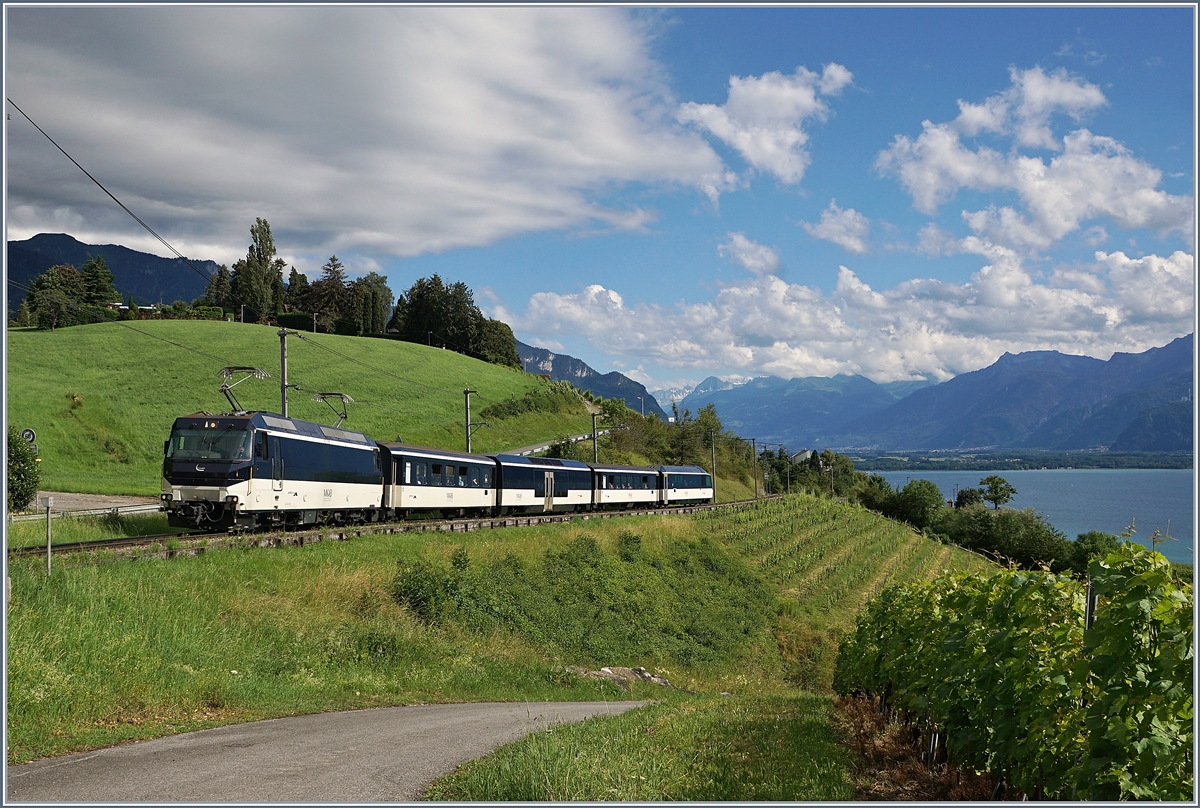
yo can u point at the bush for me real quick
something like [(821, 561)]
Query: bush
[(555, 397), (424, 588), (24, 474), (1000, 669)]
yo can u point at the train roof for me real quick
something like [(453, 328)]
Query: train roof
[(408, 448), (544, 462), (627, 469), (683, 469), (275, 421)]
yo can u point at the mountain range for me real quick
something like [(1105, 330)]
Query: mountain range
[(1034, 400), (149, 278), (561, 367)]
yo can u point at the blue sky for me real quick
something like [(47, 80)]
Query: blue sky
[(673, 193)]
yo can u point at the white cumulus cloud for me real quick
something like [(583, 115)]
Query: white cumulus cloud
[(759, 259), (764, 116), (917, 328), (1091, 177), (845, 227)]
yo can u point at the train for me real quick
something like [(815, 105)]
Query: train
[(247, 470)]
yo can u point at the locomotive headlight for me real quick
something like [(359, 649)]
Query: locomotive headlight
[(166, 497), (231, 499)]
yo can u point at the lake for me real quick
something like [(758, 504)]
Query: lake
[(1078, 500)]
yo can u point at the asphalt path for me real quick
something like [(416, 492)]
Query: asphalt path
[(381, 755)]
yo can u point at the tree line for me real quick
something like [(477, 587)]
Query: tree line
[(430, 312)]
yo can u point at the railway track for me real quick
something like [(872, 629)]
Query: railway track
[(170, 545)]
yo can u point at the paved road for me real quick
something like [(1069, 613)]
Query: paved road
[(387, 754)]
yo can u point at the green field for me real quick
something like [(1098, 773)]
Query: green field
[(102, 398), (107, 651)]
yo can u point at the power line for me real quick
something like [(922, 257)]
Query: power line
[(360, 363), (100, 185), (101, 318), (197, 269)]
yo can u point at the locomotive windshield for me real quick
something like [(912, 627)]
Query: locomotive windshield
[(227, 443)]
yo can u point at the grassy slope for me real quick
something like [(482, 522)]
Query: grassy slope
[(130, 387), (104, 652)]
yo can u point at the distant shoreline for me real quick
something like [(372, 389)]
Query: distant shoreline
[(1017, 460)]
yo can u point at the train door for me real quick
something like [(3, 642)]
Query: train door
[(549, 506), (276, 463)]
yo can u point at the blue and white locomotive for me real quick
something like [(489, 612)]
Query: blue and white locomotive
[(261, 469)]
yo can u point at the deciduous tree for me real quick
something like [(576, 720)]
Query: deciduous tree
[(997, 490), (56, 297)]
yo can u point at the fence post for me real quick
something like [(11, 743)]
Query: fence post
[(48, 502)]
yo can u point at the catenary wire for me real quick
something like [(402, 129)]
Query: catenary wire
[(197, 269)]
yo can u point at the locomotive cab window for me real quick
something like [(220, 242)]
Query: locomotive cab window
[(209, 444)]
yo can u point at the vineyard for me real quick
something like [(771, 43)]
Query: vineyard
[(1016, 673), (826, 559)]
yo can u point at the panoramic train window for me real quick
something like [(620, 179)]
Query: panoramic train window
[(209, 444), (474, 476), (422, 474), (462, 476)]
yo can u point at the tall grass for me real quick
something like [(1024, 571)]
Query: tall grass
[(103, 652), (102, 397), (108, 651), (708, 748), (67, 528)]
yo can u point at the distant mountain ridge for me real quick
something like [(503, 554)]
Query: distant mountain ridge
[(1034, 400), (562, 367), (149, 278), (800, 413)]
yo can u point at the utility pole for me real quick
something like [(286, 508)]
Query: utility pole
[(243, 317), (283, 371), (754, 445), (595, 439), (467, 400), (643, 403), (314, 322), (713, 440)]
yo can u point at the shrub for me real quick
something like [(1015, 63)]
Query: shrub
[(24, 474)]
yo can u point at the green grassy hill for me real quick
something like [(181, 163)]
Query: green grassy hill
[(751, 600), (101, 398)]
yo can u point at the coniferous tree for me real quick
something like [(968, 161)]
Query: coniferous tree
[(328, 295), (433, 313), (98, 280), (370, 303), (219, 291), (24, 317), (298, 292)]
